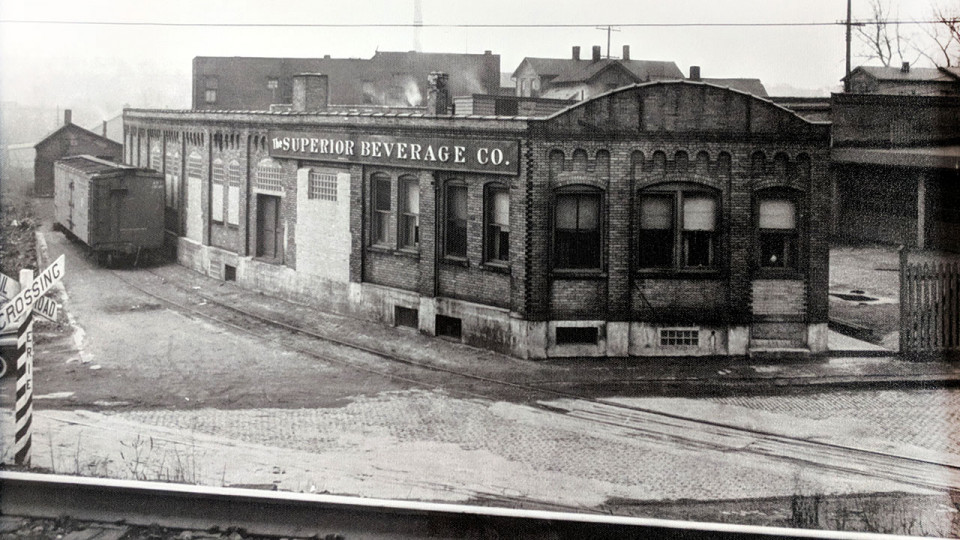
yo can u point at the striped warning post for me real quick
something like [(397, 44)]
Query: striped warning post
[(24, 407)]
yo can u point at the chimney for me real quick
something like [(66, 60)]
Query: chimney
[(694, 73), (905, 68), (310, 92), (104, 128), (576, 52), (596, 53), (438, 94), (67, 117), (626, 52)]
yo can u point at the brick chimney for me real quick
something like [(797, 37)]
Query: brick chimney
[(596, 53), (67, 117), (438, 94), (905, 67), (694, 73), (576, 52), (310, 92), (626, 52), (104, 128)]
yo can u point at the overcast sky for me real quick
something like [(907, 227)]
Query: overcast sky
[(150, 65)]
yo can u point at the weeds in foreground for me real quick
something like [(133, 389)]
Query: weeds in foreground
[(871, 513)]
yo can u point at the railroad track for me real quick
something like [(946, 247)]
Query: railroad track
[(635, 422)]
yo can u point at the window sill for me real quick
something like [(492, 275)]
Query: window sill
[(777, 273), (455, 261), (269, 260), (579, 274), (500, 268), (385, 250), (682, 273)]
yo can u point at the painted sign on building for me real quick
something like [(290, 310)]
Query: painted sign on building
[(469, 155)]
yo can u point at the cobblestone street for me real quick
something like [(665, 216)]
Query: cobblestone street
[(189, 400)]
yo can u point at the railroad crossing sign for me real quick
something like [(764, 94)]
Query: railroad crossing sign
[(18, 311), (24, 301), (45, 307)]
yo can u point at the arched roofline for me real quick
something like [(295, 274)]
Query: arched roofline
[(651, 84)]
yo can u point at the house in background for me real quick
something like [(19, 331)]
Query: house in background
[(576, 79), (68, 140), (393, 79), (573, 78), (905, 80)]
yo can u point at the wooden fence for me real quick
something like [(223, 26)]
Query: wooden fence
[(929, 307)]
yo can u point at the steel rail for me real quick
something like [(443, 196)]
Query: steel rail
[(299, 515), (837, 457)]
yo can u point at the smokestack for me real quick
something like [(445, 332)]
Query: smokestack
[(576, 52), (104, 128), (626, 52), (905, 68), (438, 94), (596, 53), (67, 117), (310, 92), (694, 73)]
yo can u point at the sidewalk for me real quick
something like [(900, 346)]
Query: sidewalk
[(850, 363)]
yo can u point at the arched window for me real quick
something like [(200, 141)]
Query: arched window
[(678, 227), (455, 222), (217, 187), (233, 193), (577, 228), (269, 175), (777, 221), (380, 188), (496, 202), (172, 179), (195, 165), (409, 212)]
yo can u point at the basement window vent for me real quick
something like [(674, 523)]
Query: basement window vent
[(570, 335), (407, 317), (450, 327), (679, 337), (229, 273)]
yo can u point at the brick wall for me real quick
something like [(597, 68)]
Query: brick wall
[(322, 229), (779, 297)]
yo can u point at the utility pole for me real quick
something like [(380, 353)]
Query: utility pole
[(608, 29), (846, 78)]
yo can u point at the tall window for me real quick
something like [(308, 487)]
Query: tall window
[(577, 239), (172, 179), (381, 209), (777, 230), (455, 232), (678, 228), (218, 179), (409, 212), (497, 238), (233, 193)]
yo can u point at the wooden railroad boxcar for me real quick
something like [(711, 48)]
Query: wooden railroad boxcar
[(116, 210)]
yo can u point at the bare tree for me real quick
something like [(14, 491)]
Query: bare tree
[(945, 34), (880, 36)]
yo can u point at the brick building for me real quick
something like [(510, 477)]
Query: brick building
[(666, 218), (68, 140), (397, 79)]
